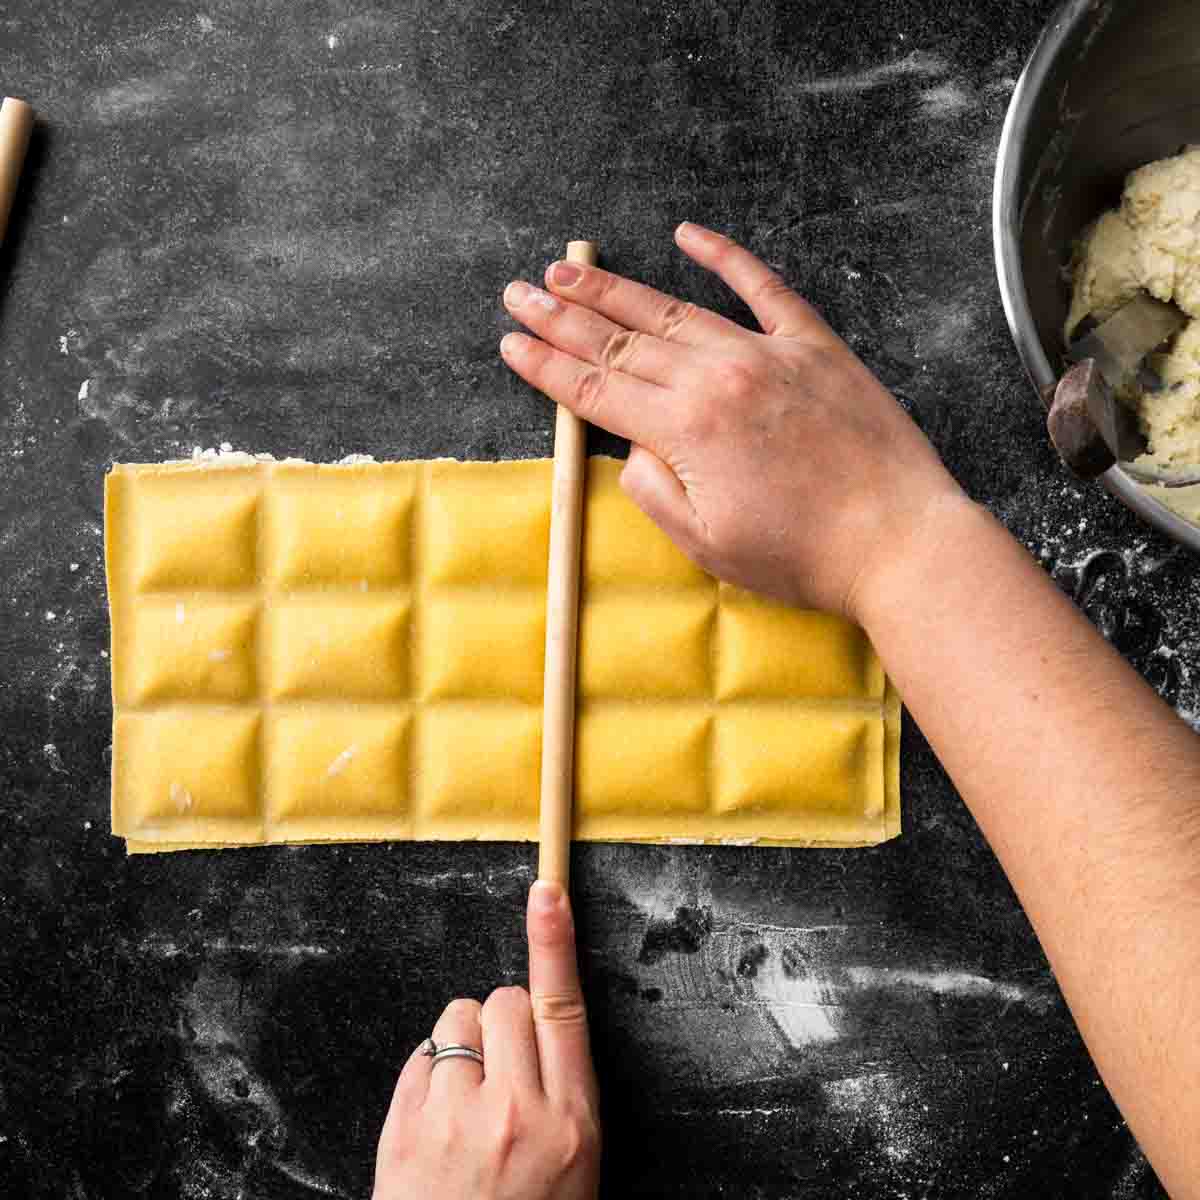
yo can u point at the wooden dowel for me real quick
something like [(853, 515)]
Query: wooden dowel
[(562, 629), (16, 124)]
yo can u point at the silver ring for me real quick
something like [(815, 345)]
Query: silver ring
[(445, 1052), (430, 1049)]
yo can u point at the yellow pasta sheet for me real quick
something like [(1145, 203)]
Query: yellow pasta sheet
[(354, 652)]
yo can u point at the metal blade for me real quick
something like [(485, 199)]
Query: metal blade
[(1121, 343)]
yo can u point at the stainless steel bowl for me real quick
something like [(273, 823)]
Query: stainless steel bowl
[(1111, 85)]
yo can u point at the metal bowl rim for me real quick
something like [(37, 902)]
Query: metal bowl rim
[(1006, 231)]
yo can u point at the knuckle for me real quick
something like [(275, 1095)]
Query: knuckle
[(558, 1008), (620, 348), (506, 1130), (579, 1141), (768, 287), (587, 389), (736, 380), (674, 316)]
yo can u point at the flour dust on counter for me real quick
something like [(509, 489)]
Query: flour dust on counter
[(803, 1024), (1121, 579)]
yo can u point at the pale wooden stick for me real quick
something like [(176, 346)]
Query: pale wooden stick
[(562, 629), (16, 124)]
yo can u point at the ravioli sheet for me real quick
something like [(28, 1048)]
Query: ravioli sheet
[(353, 652)]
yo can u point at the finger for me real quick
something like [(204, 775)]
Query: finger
[(776, 307), (408, 1095), (628, 407), (413, 1084), (656, 490), (453, 1078), (509, 1047), (595, 339), (559, 1016), (635, 306)]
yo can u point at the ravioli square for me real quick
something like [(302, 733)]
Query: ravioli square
[(770, 651), (189, 647), (488, 523), (480, 646), (352, 528), (643, 760), (647, 647), (342, 772), (324, 647), (622, 546), (774, 759), (180, 775), (196, 529), (479, 769)]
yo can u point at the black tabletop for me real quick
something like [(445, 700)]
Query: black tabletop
[(286, 226)]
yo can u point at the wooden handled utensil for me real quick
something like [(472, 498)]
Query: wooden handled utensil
[(16, 124), (1090, 427), (562, 627)]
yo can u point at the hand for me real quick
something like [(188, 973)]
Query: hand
[(525, 1126), (775, 460)]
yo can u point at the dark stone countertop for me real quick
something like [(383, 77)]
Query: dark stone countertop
[(287, 226)]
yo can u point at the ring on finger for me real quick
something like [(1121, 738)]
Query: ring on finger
[(445, 1052), (430, 1049)]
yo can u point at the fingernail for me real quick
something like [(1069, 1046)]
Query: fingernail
[(565, 274), (510, 343), (686, 230), (545, 897), (515, 293), (518, 293)]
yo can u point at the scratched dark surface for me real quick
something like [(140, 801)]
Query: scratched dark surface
[(286, 226)]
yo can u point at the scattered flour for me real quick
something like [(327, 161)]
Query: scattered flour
[(342, 761), (917, 63), (883, 1103), (963, 984), (180, 797), (50, 750)]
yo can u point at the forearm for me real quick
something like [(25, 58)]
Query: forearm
[(1087, 787)]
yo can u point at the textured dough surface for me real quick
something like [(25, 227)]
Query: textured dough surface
[(1152, 242), (353, 652)]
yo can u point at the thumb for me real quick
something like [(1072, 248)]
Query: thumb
[(656, 490), (559, 1015)]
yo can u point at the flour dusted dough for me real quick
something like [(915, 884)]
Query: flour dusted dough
[(354, 652), (1152, 242)]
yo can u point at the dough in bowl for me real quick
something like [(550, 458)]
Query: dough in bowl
[(1152, 242)]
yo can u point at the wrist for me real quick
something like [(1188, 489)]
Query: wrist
[(908, 554)]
